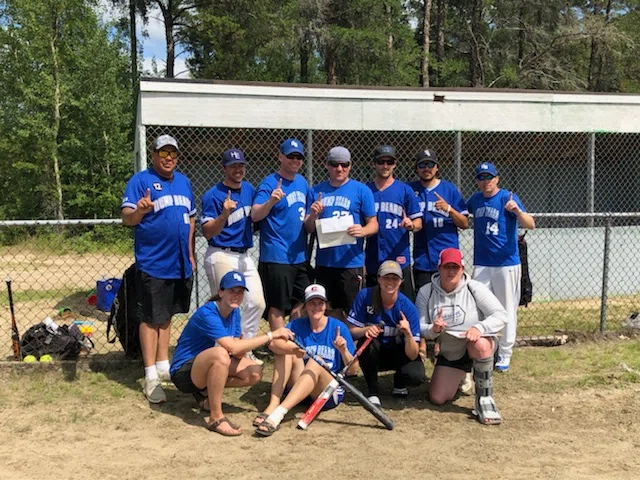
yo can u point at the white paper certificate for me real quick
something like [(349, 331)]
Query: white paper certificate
[(332, 231)]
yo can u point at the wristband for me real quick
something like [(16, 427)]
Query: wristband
[(270, 336), (448, 209)]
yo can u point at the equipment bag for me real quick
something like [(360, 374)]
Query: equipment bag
[(65, 343), (124, 316), (526, 287)]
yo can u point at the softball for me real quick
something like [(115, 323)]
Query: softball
[(46, 359), (30, 359)]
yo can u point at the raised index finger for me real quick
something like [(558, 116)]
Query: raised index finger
[(510, 196), (439, 197), (337, 332), (279, 183), (320, 197), (228, 194)]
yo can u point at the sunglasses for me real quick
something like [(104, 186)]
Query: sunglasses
[(167, 153), (429, 164), (334, 164), (295, 156), (484, 176), (381, 161)]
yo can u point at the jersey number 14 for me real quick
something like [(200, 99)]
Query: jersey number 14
[(492, 228)]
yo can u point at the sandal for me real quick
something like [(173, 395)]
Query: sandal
[(260, 418), (215, 427), (269, 429), (202, 400)]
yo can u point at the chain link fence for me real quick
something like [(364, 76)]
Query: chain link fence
[(583, 265)]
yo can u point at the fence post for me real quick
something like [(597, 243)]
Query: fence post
[(457, 159), (591, 153), (605, 274), (309, 157)]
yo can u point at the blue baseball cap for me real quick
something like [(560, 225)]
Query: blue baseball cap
[(291, 145), (232, 157), (486, 167), (233, 279)]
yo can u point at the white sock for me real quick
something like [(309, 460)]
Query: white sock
[(278, 414), (162, 365), (150, 373)]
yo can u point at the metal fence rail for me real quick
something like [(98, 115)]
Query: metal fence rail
[(585, 274)]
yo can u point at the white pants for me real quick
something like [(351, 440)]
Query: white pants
[(504, 282), (218, 262)]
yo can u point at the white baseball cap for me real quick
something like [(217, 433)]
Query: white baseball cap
[(315, 291)]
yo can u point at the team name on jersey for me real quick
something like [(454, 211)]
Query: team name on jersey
[(239, 214), (390, 331), (327, 353), (337, 201), (389, 207), (170, 201), (296, 197), (490, 212)]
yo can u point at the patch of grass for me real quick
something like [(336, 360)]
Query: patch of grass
[(36, 295)]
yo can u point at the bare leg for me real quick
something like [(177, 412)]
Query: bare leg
[(149, 335), (444, 384), (164, 335), (311, 381), (276, 318)]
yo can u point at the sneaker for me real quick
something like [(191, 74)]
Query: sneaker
[(164, 376), (252, 356), (466, 387), (153, 391), (400, 392), (502, 365), (375, 400)]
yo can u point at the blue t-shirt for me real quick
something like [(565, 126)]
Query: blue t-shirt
[(362, 313), (162, 236), (238, 231), (353, 198), (321, 343), (205, 327), (438, 230), (283, 238), (392, 241), (495, 230)]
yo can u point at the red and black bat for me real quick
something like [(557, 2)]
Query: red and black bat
[(15, 336), (317, 405), (362, 400)]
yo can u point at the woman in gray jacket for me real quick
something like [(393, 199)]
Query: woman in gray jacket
[(464, 316)]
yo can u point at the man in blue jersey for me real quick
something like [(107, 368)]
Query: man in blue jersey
[(398, 213), (443, 212), (280, 205), (159, 203), (226, 224), (496, 216), (340, 268)]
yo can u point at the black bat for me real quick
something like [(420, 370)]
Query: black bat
[(15, 336), (362, 400)]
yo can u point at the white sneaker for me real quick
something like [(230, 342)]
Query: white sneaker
[(252, 356), (375, 400), (164, 376), (153, 391), (502, 365), (467, 386)]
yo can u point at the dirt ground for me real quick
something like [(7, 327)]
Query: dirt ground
[(59, 423)]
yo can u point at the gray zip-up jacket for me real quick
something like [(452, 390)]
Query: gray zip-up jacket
[(471, 304)]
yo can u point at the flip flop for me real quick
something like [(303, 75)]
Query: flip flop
[(269, 429), (215, 427), (262, 416)]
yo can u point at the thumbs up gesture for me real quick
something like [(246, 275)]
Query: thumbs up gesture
[(511, 205), (406, 222), (439, 324), (277, 193), (339, 341), (441, 204), (145, 205), (317, 207), (229, 205)]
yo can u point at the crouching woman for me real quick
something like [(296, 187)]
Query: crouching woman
[(210, 355)]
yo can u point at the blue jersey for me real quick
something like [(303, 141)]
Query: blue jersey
[(362, 313), (162, 236), (321, 343), (238, 231), (283, 238), (438, 230), (392, 241), (352, 198), (495, 230), (205, 327)]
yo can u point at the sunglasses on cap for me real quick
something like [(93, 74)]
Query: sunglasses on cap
[(382, 161), (166, 153), (334, 164), (295, 156), (485, 176), (429, 164)]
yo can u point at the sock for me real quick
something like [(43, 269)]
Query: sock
[(162, 365), (150, 373), (277, 415)]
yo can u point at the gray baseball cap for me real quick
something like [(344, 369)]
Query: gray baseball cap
[(163, 141), (339, 154), (389, 266)]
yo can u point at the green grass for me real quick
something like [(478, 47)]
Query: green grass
[(37, 295)]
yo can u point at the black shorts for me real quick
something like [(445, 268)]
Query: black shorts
[(421, 278), (283, 284), (160, 299), (181, 378), (465, 363), (342, 284), (407, 283)]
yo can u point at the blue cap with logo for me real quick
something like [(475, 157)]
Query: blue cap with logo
[(232, 157), (486, 168), (291, 145), (233, 279)]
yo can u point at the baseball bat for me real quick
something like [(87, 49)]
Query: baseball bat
[(15, 336), (362, 400), (317, 405)]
